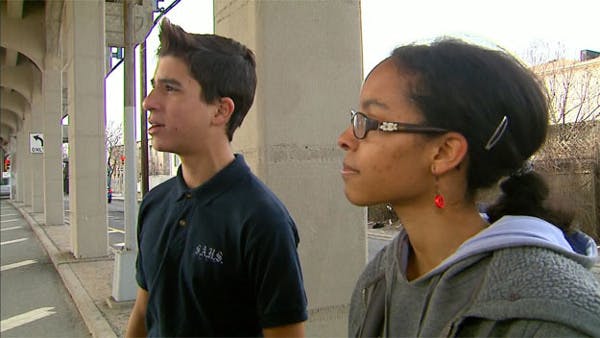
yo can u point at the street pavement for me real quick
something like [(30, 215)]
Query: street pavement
[(35, 302), (89, 281)]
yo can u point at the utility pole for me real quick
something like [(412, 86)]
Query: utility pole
[(129, 127), (124, 285), (143, 120)]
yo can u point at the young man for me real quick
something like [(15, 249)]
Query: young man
[(217, 249)]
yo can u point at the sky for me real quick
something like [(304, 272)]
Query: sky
[(511, 24), (516, 25)]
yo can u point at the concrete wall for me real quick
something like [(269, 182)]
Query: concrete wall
[(309, 73)]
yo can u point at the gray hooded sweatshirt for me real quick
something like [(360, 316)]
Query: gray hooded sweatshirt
[(521, 276)]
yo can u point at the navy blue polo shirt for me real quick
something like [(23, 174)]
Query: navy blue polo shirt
[(220, 259)]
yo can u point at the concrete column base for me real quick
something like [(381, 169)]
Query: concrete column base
[(124, 283)]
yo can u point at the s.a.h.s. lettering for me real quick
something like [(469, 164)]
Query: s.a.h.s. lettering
[(209, 254)]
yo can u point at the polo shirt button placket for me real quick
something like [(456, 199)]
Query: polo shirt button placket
[(182, 222), (188, 195)]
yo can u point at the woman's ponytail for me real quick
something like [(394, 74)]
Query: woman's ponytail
[(526, 193)]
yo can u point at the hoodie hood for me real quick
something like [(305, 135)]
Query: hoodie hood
[(515, 231)]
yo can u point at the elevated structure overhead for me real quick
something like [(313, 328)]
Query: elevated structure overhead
[(52, 58)]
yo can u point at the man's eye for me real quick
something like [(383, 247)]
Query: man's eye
[(169, 88)]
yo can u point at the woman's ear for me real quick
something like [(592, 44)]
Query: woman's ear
[(450, 152), (225, 107)]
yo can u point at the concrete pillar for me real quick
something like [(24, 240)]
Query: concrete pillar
[(83, 36), (309, 75), (37, 159), (53, 180), (26, 168), (13, 146), (18, 164)]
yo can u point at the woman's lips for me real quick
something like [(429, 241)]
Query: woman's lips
[(348, 170)]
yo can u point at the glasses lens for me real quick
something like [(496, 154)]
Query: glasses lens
[(359, 124)]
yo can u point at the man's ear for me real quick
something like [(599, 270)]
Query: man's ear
[(225, 107), (451, 150)]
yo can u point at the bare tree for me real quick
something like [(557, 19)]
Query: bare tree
[(540, 52), (573, 85), (114, 149), (570, 156), (573, 88)]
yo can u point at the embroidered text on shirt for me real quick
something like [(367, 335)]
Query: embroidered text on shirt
[(208, 254)]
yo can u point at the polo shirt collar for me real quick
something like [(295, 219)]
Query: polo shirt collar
[(216, 185)]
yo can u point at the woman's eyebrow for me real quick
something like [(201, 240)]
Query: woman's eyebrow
[(372, 102)]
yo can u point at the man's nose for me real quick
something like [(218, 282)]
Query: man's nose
[(148, 104)]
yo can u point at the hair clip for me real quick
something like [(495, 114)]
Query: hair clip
[(497, 135)]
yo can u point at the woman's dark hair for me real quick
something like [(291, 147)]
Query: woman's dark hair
[(223, 67), (471, 90)]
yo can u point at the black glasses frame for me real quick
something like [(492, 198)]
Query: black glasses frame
[(386, 126)]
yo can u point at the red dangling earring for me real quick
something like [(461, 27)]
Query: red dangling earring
[(438, 199)]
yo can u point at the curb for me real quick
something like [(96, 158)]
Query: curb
[(92, 316)]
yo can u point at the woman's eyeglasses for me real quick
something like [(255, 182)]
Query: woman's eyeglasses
[(361, 125)]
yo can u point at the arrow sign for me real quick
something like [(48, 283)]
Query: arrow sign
[(38, 138), (36, 143)]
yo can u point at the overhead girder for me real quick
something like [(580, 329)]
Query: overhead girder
[(14, 101), (5, 138), (54, 11), (9, 57), (24, 34), (9, 119), (14, 9), (25, 78), (10, 123), (5, 133)]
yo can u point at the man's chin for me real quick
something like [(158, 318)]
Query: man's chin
[(159, 147)]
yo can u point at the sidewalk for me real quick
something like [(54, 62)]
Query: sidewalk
[(88, 281)]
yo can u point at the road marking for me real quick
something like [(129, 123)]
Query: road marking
[(118, 244), (112, 230), (11, 228), (26, 318), (13, 241), (17, 265), (4, 215), (10, 220)]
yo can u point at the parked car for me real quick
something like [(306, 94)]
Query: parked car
[(109, 194), (5, 187)]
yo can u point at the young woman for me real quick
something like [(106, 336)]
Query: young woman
[(437, 123)]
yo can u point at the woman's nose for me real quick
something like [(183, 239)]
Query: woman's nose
[(346, 140)]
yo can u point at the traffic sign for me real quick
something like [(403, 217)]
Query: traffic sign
[(36, 143)]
